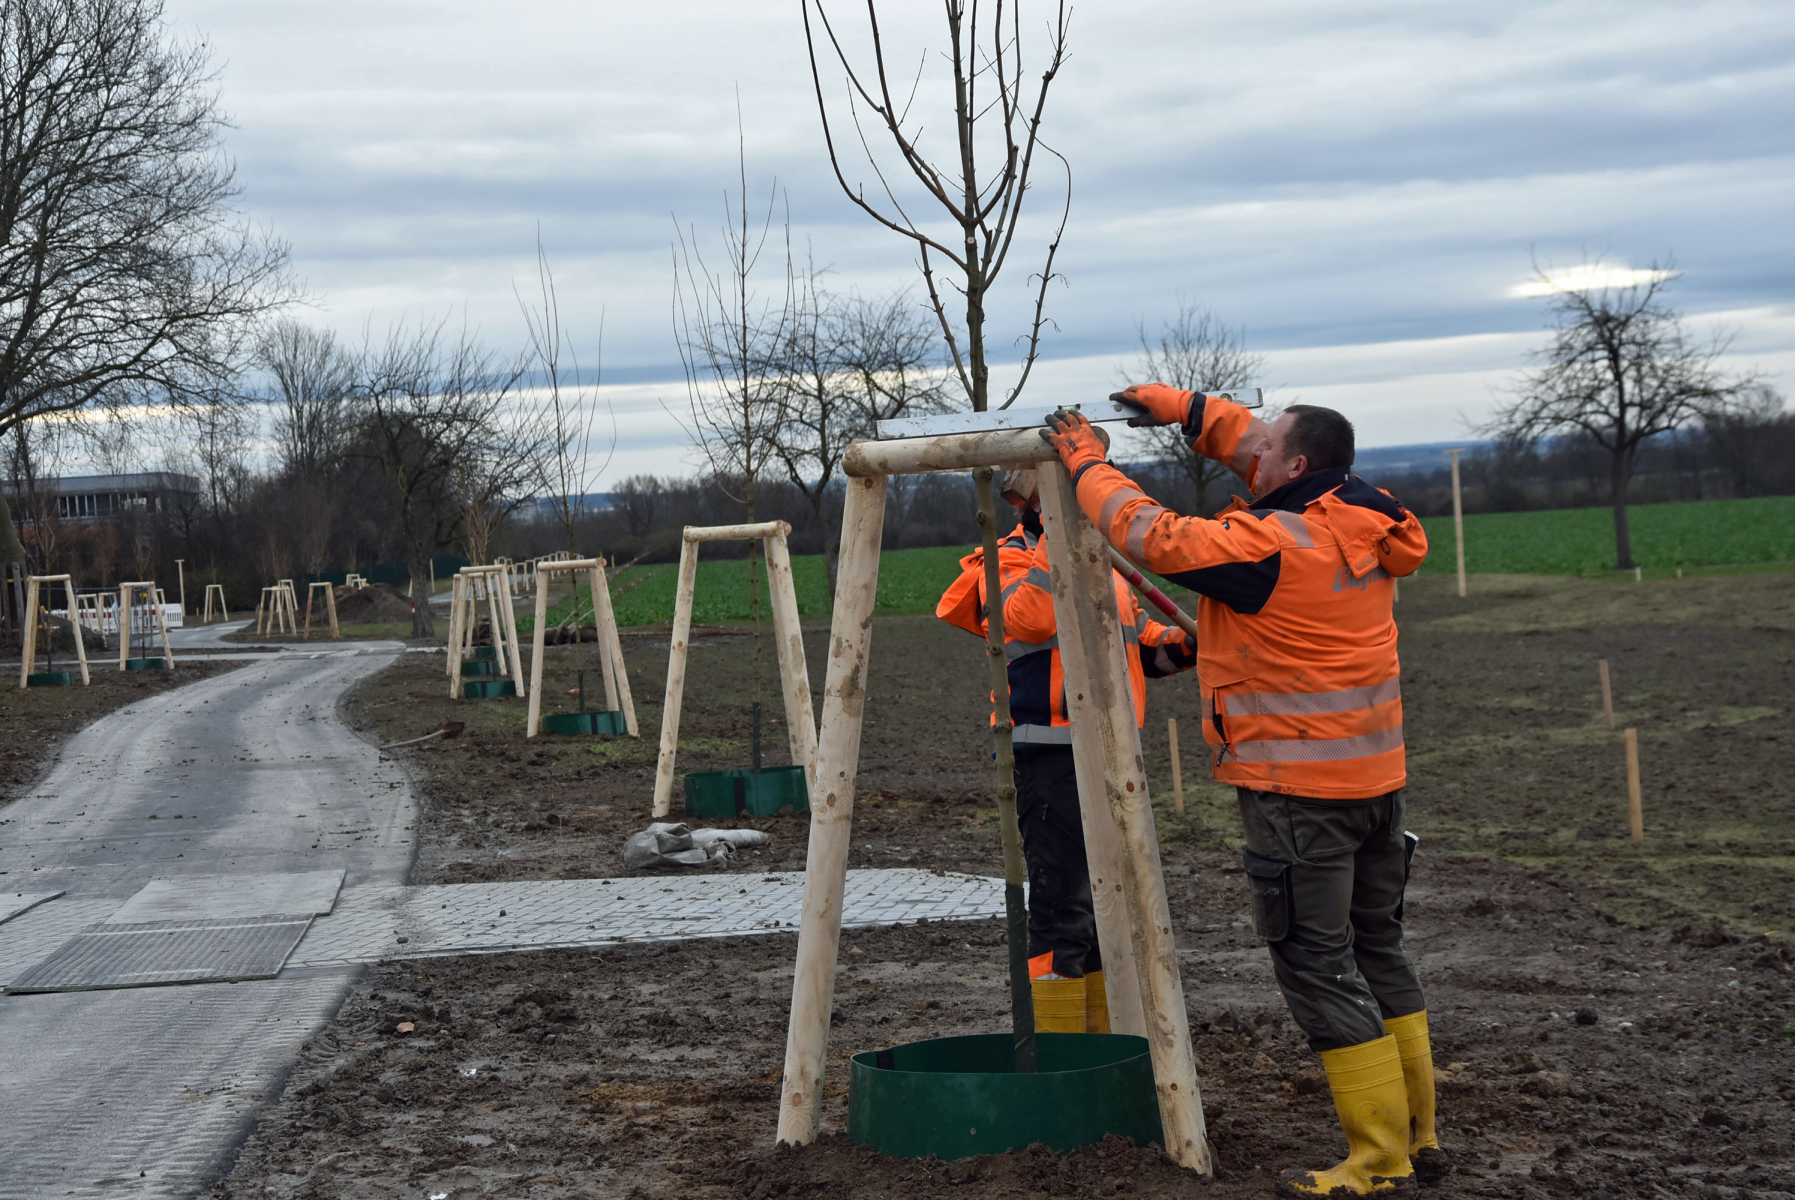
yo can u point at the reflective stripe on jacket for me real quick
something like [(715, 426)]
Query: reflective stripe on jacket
[(1031, 633), (1300, 676)]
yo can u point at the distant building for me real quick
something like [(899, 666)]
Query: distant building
[(97, 499)]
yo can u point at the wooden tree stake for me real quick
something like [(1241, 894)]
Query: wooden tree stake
[(676, 678), (1607, 692), (1107, 751), (1635, 805), (788, 642), (610, 646), (832, 810)]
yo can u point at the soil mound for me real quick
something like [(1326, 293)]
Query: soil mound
[(378, 604)]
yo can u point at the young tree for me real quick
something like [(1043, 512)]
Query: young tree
[(960, 205), (1620, 370), (1197, 352), (729, 335), (123, 270), (567, 411)]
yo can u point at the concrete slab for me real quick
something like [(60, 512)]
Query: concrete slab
[(372, 924), (16, 904), (221, 897), (159, 953)]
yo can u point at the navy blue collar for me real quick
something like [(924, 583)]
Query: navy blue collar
[(1299, 494)]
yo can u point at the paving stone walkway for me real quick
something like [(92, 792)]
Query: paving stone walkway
[(375, 923), (370, 924)]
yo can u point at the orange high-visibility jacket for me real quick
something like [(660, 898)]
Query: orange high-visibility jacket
[(1301, 683), (1031, 636)]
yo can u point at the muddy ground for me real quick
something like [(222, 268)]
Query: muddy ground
[(1609, 1019)]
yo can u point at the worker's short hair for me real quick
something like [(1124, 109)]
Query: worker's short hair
[(1322, 435)]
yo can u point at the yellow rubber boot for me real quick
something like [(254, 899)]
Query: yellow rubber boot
[(1373, 1106), (1096, 1003), (1418, 1079), (1059, 1005)]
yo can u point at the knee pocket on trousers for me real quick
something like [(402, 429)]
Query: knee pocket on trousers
[(1269, 881)]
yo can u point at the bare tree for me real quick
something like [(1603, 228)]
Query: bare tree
[(730, 334), (124, 271), (567, 412), (846, 363), (973, 189), (1620, 370), (428, 410), (1195, 351), (311, 379)]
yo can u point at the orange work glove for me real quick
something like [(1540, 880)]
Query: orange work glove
[(1157, 404), (1073, 436)]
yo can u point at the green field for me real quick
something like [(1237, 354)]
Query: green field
[(910, 581), (1580, 541), (1576, 541)]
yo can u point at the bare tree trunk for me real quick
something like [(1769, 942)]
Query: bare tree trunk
[(1623, 539), (423, 625), (11, 551), (1015, 870)]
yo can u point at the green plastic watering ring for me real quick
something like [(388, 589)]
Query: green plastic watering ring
[(960, 1096), (746, 792)]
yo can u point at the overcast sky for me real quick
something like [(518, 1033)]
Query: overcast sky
[(1362, 187)]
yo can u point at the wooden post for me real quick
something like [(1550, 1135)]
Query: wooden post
[(181, 574), (538, 644), (676, 682), (124, 624), (168, 653), (612, 641), (1607, 693), (1100, 708), (457, 587), (330, 604), (68, 582), (1458, 519), (1635, 806), (794, 673), (1104, 853), (832, 810), (1177, 772), (28, 648), (608, 666), (508, 611)]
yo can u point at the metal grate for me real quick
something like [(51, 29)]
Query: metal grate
[(155, 953)]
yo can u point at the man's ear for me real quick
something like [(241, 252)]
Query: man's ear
[(1299, 466)]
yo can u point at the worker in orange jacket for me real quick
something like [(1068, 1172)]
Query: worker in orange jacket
[(1065, 967), (1302, 711)]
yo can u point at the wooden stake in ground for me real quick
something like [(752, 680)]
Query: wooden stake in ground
[(1177, 773), (788, 639), (1607, 693), (1635, 805), (28, 646), (1458, 519), (832, 810), (1100, 709), (181, 574), (218, 590), (610, 646), (330, 605)]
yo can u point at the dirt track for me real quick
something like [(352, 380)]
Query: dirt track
[(1600, 1031)]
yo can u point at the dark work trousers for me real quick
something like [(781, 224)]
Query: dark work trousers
[(1060, 916), (1327, 878)]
